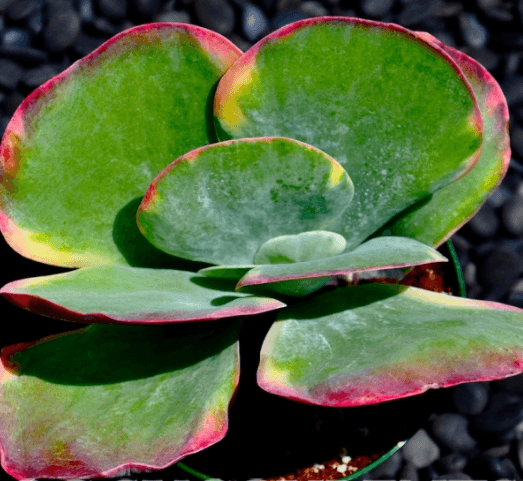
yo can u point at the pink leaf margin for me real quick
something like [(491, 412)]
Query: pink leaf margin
[(239, 70), (222, 53), (211, 430)]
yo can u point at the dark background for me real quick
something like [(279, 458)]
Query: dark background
[(481, 436)]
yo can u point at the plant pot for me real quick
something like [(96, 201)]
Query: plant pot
[(270, 436)]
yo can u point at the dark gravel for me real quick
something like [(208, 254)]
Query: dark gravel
[(481, 437)]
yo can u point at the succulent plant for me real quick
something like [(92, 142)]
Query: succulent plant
[(190, 186)]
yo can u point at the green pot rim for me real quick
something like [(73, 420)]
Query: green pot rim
[(454, 260)]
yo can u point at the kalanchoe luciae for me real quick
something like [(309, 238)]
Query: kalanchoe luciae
[(333, 146)]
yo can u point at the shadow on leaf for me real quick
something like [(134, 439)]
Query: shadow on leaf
[(107, 354)]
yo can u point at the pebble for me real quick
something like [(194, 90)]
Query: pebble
[(113, 9), (254, 22), (512, 215), (448, 9), (473, 32), (14, 37), (500, 268), (5, 4), (421, 451), (452, 477), (504, 411), (287, 17), (488, 58), (62, 30), (498, 451), (105, 27), (313, 9), (24, 55), (22, 8), (471, 398), (416, 12), (10, 74), (409, 472), (490, 467), (376, 8), (499, 196), (215, 15), (35, 77), (452, 463), (86, 10), (389, 468), (513, 91), (485, 223), (512, 63), (174, 16), (517, 141), (85, 44), (35, 22), (13, 102), (147, 8), (513, 383), (451, 430)]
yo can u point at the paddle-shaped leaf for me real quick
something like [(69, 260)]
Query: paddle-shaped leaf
[(375, 342), (220, 203), (122, 294), (88, 142), (437, 218), (303, 247), (392, 108), (93, 402), (376, 254)]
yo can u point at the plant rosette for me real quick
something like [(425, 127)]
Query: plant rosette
[(190, 188)]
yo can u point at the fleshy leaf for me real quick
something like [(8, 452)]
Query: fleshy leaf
[(233, 273), (393, 109), (219, 203), (95, 401), (436, 219), (122, 294), (375, 254), (371, 343), (88, 142), (303, 247)]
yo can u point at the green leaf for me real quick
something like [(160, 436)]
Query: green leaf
[(232, 273), (82, 147), (93, 402), (122, 294), (394, 110), (376, 254), (306, 246), (433, 221), (219, 203), (371, 343)]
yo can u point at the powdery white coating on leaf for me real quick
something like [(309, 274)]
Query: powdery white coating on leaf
[(248, 99), (62, 453), (220, 202), (455, 204), (391, 343), (376, 254), (124, 295), (220, 52)]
